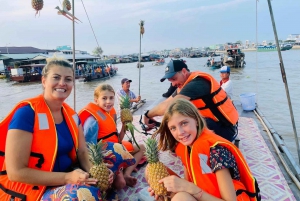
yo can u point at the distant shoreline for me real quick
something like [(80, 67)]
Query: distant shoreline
[(296, 47)]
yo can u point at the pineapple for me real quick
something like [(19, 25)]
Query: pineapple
[(126, 117), (156, 170), (66, 4), (142, 29), (37, 5), (99, 170)]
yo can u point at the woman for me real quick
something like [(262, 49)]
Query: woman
[(43, 140), (214, 169)]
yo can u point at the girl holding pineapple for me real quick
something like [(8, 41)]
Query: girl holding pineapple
[(42, 140), (99, 120), (214, 169)]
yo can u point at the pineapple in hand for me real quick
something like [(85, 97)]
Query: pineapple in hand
[(156, 170), (126, 117), (99, 170)]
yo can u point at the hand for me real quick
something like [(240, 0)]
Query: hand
[(79, 176), (151, 192), (147, 123), (111, 177), (138, 98), (175, 184)]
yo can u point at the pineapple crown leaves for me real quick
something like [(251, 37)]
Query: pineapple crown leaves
[(96, 152), (142, 22), (152, 150), (131, 128), (125, 102)]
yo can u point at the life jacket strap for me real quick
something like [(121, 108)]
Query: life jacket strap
[(252, 195), (41, 159), (107, 136), (13, 194)]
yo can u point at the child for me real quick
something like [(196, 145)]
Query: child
[(99, 122), (217, 170)]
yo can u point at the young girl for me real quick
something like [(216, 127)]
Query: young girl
[(214, 169), (99, 122)]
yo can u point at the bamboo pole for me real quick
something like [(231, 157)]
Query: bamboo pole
[(74, 64), (284, 79)]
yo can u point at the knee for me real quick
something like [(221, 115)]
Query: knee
[(183, 196)]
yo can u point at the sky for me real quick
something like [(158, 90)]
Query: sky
[(168, 23)]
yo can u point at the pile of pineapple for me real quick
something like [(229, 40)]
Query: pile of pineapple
[(66, 4), (126, 117), (37, 5), (156, 170), (99, 170), (142, 29)]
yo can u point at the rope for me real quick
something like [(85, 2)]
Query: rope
[(93, 33)]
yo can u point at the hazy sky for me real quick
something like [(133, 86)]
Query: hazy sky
[(168, 23)]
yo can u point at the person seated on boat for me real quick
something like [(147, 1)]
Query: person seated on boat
[(42, 139), (125, 91), (205, 92), (214, 169), (225, 82), (99, 121), (212, 61)]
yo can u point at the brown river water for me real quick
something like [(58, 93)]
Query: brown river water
[(261, 75)]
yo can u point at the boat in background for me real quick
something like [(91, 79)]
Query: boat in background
[(267, 48), (159, 62), (141, 65), (27, 73)]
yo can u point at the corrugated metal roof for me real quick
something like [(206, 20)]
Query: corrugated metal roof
[(20, 50), (65, 56), (17, 56)]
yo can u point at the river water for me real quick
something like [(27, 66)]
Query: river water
[(261, 75)]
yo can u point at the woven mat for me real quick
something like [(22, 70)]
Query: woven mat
[(263, 165)]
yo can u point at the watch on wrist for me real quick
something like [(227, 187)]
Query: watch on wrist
[(146, 114)]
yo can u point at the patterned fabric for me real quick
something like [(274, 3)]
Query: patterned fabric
[(118, 156), (72, 192), (221, 158)]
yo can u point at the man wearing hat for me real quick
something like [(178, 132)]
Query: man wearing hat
[(205, 93), (126, 91), (225, 82)]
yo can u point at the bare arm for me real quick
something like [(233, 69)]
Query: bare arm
[(175, 184), (122, 132), (160, 109), (18, 147), (82, 151)]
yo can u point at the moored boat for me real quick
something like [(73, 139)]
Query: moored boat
[(159, 62), (27, 73)]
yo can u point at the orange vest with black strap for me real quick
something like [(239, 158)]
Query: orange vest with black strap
[(43, 149), (197, 164), (216, 105), (107, 126)]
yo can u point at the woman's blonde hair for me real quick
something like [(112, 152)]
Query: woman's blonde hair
[(102, 87), (55, 61), (185, 108)]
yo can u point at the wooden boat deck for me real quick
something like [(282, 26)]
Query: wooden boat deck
[(273, 181)]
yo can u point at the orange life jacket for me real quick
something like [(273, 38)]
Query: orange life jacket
[(43, 149), (197, 164), (216, 105), (107, 126)]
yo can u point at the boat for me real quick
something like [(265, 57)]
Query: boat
[(267, 48), (27, 73), (159, 62), (141, 65), (253, 141), (234, 57)]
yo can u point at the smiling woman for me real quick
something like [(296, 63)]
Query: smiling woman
[(42, 140)]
